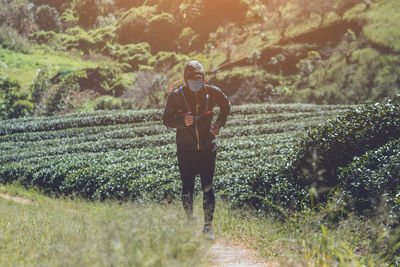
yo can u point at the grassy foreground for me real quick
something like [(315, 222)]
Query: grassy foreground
[(64, 232)]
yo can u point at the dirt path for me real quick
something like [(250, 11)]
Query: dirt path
[(227, 254), (21, 200)]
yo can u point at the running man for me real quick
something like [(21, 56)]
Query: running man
[(189, 109)]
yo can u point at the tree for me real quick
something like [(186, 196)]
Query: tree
[(282, 23), (47, 18), (88, 11), (16, 14), (40, 85), (13, 102)]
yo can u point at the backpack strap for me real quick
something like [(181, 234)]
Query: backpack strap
[(184, 99), (206, 110)]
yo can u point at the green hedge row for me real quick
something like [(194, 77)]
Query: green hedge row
[(104, 118), (373, 180)]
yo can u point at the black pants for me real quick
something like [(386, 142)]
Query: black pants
[(192, 163)]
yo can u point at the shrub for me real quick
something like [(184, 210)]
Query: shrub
[(59, 5), (87, 11), (112, 103), (162, 32), (318, 156), (11, 39), (107, 103), (148, 89), (16, 14), (79, 39), (47, 18), (40, 84), (133, 27), (244, 85), (166, 60), (42, 37), (22, 108), (57, 100), (354, 73), (13, 103), (101, 36), (372, 180), (188, 40), (133, 55)]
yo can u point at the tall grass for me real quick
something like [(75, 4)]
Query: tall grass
[(304, 238), (63, 232)]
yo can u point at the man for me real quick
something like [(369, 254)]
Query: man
[(189, 110)]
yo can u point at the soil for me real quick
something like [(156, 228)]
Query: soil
[(21, 200), (228, 254)]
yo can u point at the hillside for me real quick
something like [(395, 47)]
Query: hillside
[(257, 51)]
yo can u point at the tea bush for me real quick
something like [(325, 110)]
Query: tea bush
[(372, 180), (130, 154), (318, 156)]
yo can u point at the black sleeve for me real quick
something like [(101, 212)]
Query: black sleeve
[(225, 106), (171, 118)]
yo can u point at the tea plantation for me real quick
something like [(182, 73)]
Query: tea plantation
[(131, 155)]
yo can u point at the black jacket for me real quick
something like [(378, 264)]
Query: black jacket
[(196, 136)]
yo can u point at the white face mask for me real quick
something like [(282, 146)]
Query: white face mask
[(195, 85)]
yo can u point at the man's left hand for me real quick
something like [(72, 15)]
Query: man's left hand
[(215, 128)]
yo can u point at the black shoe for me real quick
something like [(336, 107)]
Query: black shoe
[(208, 233)]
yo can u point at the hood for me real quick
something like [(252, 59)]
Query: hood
[(193, 67)]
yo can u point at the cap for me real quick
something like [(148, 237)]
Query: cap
[(196, 76)]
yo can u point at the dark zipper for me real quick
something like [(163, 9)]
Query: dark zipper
[(197, 114)]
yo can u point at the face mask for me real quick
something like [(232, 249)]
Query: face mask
[(195, 85)]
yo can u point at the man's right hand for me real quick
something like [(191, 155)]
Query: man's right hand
[(189, 119)]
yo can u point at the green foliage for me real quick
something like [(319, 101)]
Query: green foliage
[(244, 85), (57, 99), (13, 103), (40, 84), (24, 66), (65, 232), (148, 90), (167, 60), (16, 14), (42, 37), (61, 6), (79, 39), (10, 39), (112, 103), (188, 40), (134, 25), (371, 181), (349, 76), (163, 32), (131, 55), (384, 32), (318, 156), (101, 36), (112, 154), (47, 18), (87, 11), (69, 16)]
